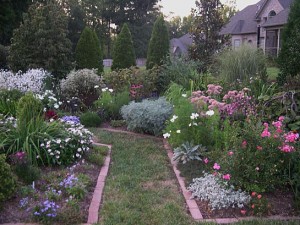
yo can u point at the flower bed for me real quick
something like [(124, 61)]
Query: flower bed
[(61, 195), (234, 162)]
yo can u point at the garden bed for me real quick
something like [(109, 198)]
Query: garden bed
[(70, 188)]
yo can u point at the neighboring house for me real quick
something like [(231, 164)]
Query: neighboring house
[(259, 25), (180, 46)]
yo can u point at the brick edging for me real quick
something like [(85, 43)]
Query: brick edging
[(98, 192), (193, 207)]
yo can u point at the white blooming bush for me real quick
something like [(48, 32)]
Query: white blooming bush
[(71, 146), (219, 194), (49, 100), (33, 80), (84, 84)]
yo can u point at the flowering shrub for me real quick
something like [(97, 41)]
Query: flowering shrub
[(49, 100), (262, 154), (219, 193), (67, 149), (83, 84), (32, 80)]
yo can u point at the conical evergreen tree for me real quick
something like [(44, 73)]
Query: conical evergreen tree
[(159, 44), (123, 55), (88, 51), (289, 56)]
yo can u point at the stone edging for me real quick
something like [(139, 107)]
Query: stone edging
[(98, 192), (193, 207)]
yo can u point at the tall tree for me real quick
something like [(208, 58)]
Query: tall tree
[(88, 51), (228, 10), (124, 55), (289, 56), (11, 17), (40, 41), (159, 45), (207, 40), (179, 27)]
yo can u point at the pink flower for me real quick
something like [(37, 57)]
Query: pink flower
[(216, 166), (253, 194), (265, 133), (266, 125), (277, 124), (244, 144), (205, 161), (291, 137), (287, 148), (278, 130), (243, 212), (230, 153), (259, 148), (259, 196), (226, 177), (281, 118)]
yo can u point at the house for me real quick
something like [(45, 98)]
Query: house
[(259, 25), (180, 46)]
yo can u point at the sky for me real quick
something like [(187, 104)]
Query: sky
[(183, 7)]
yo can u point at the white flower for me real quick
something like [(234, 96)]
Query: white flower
[(184, 95), (96, 86), (103, 89), (51, 120), (190, 124), (42, 145), (178, 131), (56, 106), (78, 149), (49, 150), (194, 116), (110, 90), (173, 118), (77, 155), (210, 113), (57, 156), (58, 141), (68, 139), (166, 135), (51, 153)]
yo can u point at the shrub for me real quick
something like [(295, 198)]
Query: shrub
[(88, 51), (123, 53), (134, 78), (109, 103), (23, 168), (33, 80), (7, 180), (148, 116), (83, 84), (178, 70), (159, 44), (242, 64), (90, 119), (8, 101), (28, 108)]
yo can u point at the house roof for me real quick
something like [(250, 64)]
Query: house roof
[(182, 43), (280, 19), (243, 22)]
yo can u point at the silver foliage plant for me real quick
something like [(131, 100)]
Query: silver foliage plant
[(218, 193), (148, 116), (188, 152)]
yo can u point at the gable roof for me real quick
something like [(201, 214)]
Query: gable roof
[(280, 19), (182, 43), (244, 21)]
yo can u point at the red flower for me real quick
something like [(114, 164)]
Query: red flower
[(253, 194)]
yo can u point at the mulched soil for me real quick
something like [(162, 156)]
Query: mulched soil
[(11, 211)]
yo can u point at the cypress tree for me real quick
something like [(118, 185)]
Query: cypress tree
[(289, 56), (159, 44), (88, 51), (123, 54)]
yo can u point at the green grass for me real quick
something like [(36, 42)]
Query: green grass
[(141, 187), (272, 73)]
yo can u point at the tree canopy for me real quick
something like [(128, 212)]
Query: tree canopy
[(41, 40)]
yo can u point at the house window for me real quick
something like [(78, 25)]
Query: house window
[(236, 43), (272, 13)]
